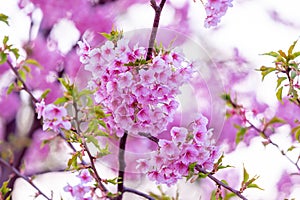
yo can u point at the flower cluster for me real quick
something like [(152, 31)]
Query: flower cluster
[(138, 95), (171, 162), (83, 190), (54, 117), (215, 9)]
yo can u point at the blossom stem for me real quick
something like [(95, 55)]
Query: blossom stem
[(130, 190), (28, 180), (157, 9), (264, 135), (122, 165), (91, 157), (25, 87), (150, 137), (220, 183)]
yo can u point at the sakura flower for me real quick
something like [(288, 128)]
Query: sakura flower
[(40, 106), (179, 134)]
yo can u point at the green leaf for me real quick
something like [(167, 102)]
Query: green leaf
[(279, 94), (61, 100), (282, 54), (253, 185), (4, 18), (26, 68), (33, 62), (240, 134), (5, 40), (295, 55), (275, 120), (279, 81), (272, 53), (15, 51), (3, 58), (22, 74), (93, 140), (291, 148), (296, 132), (4, 189), (245, 175), (72, 163), (45, 93), (290, 51), (10, 88), (265, 71)]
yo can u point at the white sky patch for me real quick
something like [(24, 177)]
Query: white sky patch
[(65, 34)]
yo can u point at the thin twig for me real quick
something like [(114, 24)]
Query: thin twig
[(150, 137), (157, 10), (3, 162), (263, 133), (91, 157), (130, 190), (220, 183), (25, 87)]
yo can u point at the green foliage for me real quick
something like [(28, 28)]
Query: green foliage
[(163, 195), (287, 70), (296, 132), (5, 190), (240, 133), (113, 36), (248, 182), (4, 18), (73, 161), (219, 165)]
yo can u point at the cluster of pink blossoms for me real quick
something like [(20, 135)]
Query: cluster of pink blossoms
[(138, 95), (171, 162), (54, 117), (215, 9), (83, 190)]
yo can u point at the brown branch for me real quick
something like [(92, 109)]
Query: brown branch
[(220, 183), (150, 137), (157, 10), (25, 87), (122, 166), (28, 180), (91, 157), (130, 190)]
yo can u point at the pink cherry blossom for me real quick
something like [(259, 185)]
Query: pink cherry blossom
[(179, 134), (215, 9)]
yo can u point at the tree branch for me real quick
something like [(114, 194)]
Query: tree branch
[(157, 10), (91, 157), (122, 165), (25, 87), (6, 164), (130, 190), (220, 183)]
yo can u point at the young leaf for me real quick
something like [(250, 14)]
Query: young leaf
[(45, 93), (3, 58), (245, 175), (296, 132), (4, 189), (279, 81), (279, 94), (265, 71), (271, 53), (290, 51), (240, 134), (10, 88), (253, 185), (93, 140), (4, 18)]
